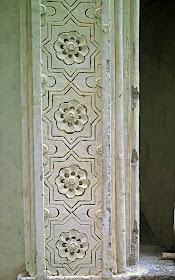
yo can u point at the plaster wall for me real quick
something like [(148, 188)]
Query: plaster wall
[(11, 204), (157, 118)]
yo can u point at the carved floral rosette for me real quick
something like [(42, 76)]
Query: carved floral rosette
[(72, 245), (71, 116), (72, 181), (71, 47)]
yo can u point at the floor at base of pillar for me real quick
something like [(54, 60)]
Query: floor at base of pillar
[(151, 266)]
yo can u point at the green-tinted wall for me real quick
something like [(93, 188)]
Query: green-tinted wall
[(157, 119), (11, 203)]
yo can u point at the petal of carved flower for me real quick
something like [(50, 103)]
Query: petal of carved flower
[(82, 41), (64, 106), (72, 34), (72, 257), (64, 253), (59, 46), (81, 109), (60, 54), (63, 37), (81, 173), (69, 129), (83, 118), (63, 189), (70, 193), (65, 236), (65, 172), (74, 104), (69, 59), (84, 50), (84, 245), (80, 254), (74, 169), (83, 183), (73, 234), (79, 58), (82, 237), (79, 190), (59, 244)]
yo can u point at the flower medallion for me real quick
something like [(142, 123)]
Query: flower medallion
[(71, 116), (71, 47), (72, 245), (72, 181)]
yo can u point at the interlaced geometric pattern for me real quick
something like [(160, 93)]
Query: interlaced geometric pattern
[(72, 135)]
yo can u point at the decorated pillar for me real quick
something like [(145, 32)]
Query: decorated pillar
[(79, 136)]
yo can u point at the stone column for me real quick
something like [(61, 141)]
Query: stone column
[(119, 236)]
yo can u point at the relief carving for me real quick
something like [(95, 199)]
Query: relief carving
[(71, 116), (95, 12), (47, 152), (96, 150), (44, 11), (72, 245), (72, 181), (71, 47), (72, 131)]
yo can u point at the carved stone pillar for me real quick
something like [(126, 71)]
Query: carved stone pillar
[(80, 177)]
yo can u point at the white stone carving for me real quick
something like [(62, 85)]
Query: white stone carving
[(47, 151), (72, 245), (72, 129), (71, 116), (71, 47), (72, 181)]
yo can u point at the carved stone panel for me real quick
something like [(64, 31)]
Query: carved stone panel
[(72, 135)]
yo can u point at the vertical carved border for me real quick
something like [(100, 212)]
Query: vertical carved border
[(108, 119), (37, 137), (27, 137), (119, 142), (32, 139)]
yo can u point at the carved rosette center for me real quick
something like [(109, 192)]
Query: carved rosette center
[(73, 246), (71, 115), (71, 46), (71, 181)]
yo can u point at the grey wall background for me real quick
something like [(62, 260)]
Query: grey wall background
[(157, 118), (11, 203)]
